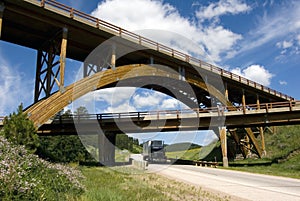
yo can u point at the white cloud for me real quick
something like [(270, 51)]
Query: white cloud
[(170, 104), (15, 89), (287, 44), (114, 96), (220, 40), (148, 99), (255, 73), (298, 39), (280, 23), (223, 7), (136, 15), (284, 44), (124, 107), (282, 82)]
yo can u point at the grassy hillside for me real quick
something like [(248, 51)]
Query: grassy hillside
[(283, 142), (211, 152), (181, 147), (283, 150), (185, 151), (191, 154)]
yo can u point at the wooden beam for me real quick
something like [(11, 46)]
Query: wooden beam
[(63, 55), (113, 56), (263, 147), (226, 92), (244, 102), (257, 102), (254, 141), (223, 139), (238, 142)]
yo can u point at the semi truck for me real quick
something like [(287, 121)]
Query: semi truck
[(153, 151)]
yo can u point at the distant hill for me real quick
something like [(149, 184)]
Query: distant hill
[(211, 152), (181, 147)]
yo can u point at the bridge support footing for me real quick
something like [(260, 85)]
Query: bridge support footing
[(106, 148)]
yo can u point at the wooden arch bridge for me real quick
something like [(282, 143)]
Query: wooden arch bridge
[(59, 32)]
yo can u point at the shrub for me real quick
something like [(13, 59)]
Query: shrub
[(18, 129), (24, 176)]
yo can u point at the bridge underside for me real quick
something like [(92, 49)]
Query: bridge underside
[(161, 80)]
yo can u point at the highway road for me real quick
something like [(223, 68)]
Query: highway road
[(240, 185)]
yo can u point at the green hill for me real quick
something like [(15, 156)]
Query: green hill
[(211, 152), (181, 147), (283, 152), (185, 151)]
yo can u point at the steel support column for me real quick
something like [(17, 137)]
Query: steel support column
[(2, 7), (90, 69), (50, 66)]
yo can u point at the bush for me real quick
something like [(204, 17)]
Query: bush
[(63, 149), (18, 129), (24, 176)]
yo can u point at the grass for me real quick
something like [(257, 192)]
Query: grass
[(289, 168), (124, 183), (283, 151), (191, 154)]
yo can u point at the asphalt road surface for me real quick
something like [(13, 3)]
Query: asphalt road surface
[(240, 185)]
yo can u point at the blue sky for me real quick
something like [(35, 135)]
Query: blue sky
[(258, 39)]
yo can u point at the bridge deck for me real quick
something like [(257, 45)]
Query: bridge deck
[(32, 23), (193, 119)]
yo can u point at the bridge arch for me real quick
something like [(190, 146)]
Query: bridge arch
[(43, 110)]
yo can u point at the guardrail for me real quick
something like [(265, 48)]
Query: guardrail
[(98, 23), (160, 114)]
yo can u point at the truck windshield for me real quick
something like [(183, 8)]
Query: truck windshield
[(157, 143)]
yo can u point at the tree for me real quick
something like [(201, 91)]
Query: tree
[(18, 129), (64, 148), (81, 111)]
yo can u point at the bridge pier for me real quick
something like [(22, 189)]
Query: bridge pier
[(49, 68), (106, 148), (223, 139), (261, 131)]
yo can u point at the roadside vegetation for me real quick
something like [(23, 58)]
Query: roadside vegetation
[(124, 183), (25, 176), (283, 154)]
